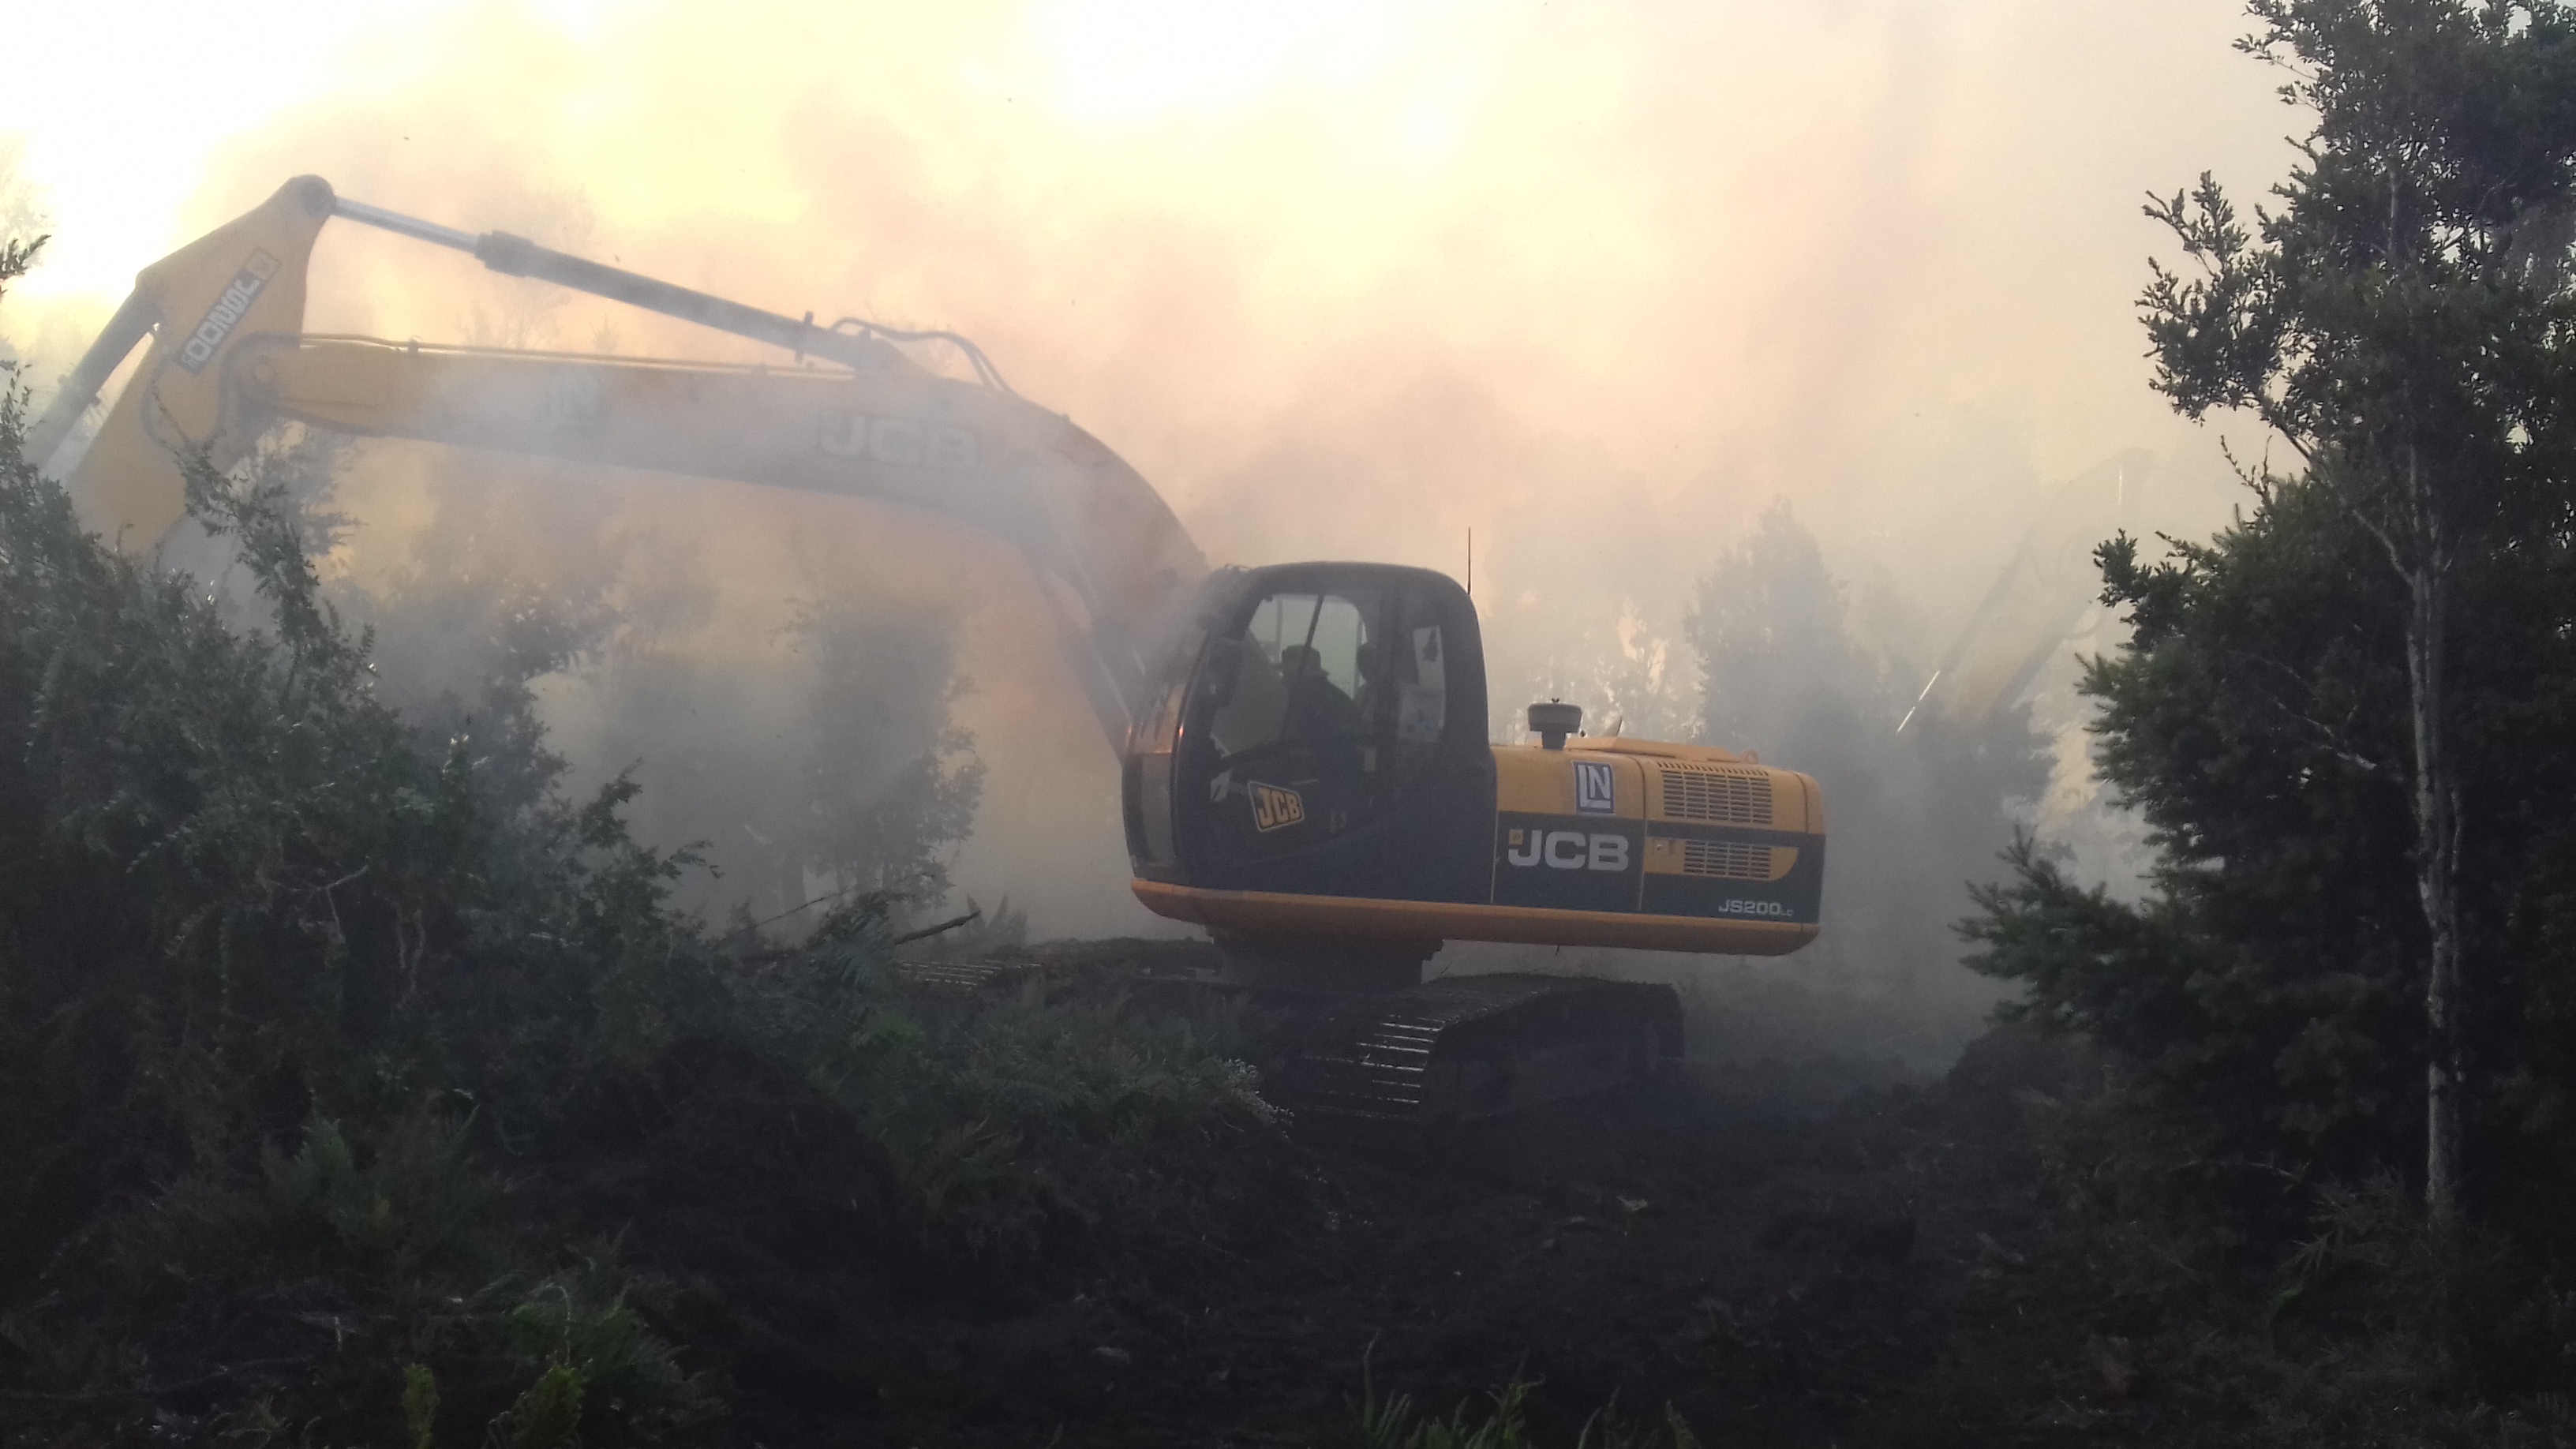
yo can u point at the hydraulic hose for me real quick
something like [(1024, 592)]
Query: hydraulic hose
[(516, 256)]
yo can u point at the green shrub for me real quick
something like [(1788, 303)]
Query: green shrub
[(245, 893), (420, 1406), (1397, 1424), (307, 1005), (418, 1212), (580, 1335), (547, 1416), (1061, 1116)]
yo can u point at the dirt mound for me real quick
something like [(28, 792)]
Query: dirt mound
[(1781, 1272), (774, 1220)]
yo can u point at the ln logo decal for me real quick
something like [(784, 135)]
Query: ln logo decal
[(1568, 850), (1593, 793), (1276, 809), (248, 283), (895, 440)]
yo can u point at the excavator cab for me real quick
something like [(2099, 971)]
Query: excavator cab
[(1321, 732), (1313, 782)]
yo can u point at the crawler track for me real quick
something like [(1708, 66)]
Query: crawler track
[(1458, 1049), (1469, 1047)]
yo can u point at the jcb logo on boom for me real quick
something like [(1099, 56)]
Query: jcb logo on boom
[(1568, 850), (898, 440), (246, 286)]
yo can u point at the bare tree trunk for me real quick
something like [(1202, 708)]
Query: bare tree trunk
[(2437, 845)]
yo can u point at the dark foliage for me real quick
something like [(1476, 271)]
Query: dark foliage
[(2259, 715), (241, 893), (2347, 718), (353, 1077)]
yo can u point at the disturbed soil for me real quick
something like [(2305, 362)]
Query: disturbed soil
[(1779, 1256), (1789, 1255)]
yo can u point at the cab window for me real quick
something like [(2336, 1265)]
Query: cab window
[(1296, 675), (1421, 676)]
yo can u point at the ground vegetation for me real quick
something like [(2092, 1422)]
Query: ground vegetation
[(354, 1076)]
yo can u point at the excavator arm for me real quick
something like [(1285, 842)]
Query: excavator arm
[(228, 359), (2038, 599)]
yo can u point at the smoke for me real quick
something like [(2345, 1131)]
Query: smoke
[(22, 212), (1598, 283), (22, 216)]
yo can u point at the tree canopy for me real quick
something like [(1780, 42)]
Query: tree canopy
[(2348, 716)]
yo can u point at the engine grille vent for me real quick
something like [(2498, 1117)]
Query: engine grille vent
[(1726, 858), (1728, 797)]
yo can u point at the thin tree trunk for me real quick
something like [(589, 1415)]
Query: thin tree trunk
[(2437, 842)]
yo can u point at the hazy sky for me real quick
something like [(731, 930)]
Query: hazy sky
[(1597, 281)]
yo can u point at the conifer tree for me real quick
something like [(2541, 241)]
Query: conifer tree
[(2401, 323)]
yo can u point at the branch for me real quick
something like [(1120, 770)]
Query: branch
[(157, 1391), (926, 932), (2270, 415), (791, 910), (2387, 545), (2330, 738), (907, 938)]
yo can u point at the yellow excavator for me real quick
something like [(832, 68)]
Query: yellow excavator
[(1305, 766)]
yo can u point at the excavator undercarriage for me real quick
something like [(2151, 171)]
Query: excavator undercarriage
[(1387, 1047), (1461, 1048)]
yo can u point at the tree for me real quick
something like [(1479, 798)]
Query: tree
[(2403, 325), (1910, 812), (890, 782), (824, 763), (2263, 985), (1771, 627)]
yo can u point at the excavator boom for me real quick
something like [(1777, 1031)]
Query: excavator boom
[(228, 359), (1112, 558)]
